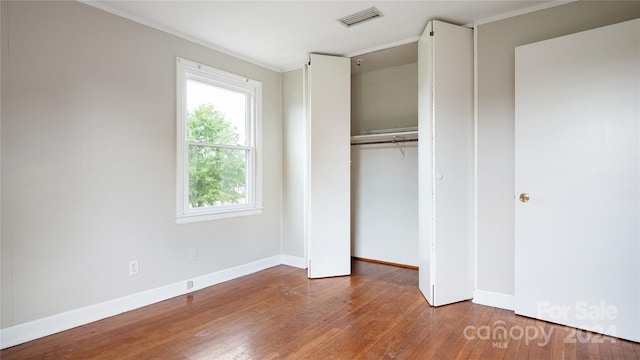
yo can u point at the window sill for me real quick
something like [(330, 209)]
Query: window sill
[(200, 217)]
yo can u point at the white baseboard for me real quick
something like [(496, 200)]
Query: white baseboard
[(32, 330), (489, 298), (221, 276), (294, 261)]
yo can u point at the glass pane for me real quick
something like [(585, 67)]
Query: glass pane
[(217, 176), (215, 114)]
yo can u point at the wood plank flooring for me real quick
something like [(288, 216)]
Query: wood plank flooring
[(377, 313)]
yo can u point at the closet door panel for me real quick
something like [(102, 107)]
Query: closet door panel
[(328, 166), (453, 162), (425, 167), (446, 163)]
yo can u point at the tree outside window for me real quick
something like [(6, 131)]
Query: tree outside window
[(216, 175)]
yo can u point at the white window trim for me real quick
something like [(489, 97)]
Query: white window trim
[(187, 69)]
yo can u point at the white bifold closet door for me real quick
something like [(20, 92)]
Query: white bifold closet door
[(577, 202), (445, 169), (328, 184)]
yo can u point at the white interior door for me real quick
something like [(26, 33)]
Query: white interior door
[(445, 170), (578, 159), (327, 218)]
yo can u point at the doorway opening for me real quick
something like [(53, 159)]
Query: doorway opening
[(384, 156)]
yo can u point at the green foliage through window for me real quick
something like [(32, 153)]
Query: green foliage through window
[(217, 174)]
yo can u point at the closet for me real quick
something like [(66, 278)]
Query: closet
[(403, 211), (384, 155)]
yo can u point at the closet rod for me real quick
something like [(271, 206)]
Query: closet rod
[(384, 142)]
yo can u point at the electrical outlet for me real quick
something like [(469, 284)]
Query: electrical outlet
[(190, 284), (193, 254), (133, 267)]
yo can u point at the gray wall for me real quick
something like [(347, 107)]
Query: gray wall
[(384, 99), (496, 65), (384, 202), (88, 162), (293, 164)]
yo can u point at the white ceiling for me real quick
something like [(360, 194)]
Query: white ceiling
[(280, 34)]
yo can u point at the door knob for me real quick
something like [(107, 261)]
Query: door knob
[(524, 197)]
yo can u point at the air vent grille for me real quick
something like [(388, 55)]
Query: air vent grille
[(360, 17)]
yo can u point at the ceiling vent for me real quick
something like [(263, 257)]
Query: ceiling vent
[(360, 17)]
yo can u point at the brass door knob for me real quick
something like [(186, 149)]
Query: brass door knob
[(524, 197)]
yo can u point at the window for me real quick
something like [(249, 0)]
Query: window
[(218, 152)]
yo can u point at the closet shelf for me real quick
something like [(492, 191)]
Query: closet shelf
[(391, 137)]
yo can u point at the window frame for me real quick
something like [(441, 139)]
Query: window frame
[(190, 70)]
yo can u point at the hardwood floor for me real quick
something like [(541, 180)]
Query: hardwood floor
[(377, 313)]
